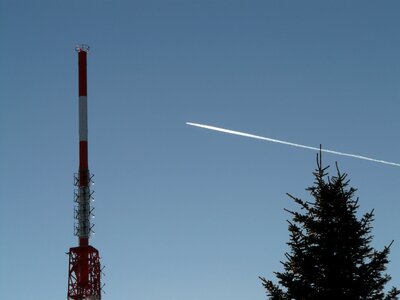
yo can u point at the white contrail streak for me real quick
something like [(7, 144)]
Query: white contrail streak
[(290, 144)]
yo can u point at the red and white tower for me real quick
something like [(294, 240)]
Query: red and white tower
[(84, 261)]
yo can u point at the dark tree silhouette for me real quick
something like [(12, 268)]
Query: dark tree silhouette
[(330, 253)]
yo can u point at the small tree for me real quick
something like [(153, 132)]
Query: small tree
[(330, 253)]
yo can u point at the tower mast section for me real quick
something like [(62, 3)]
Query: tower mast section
[(83, 212), (84, 272)]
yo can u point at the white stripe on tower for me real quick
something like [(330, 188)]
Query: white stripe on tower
[(83, 121)]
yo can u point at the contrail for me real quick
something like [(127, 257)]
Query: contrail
[(291, 144)]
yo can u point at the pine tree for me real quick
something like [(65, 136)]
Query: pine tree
[(331, 256)]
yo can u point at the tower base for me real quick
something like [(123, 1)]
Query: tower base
[(84, 274)]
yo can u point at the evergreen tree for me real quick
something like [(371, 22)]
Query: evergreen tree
[(330, 249)]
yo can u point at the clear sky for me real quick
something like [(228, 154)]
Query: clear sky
[(182, 212)]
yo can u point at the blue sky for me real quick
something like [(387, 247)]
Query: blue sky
[(182, 212)]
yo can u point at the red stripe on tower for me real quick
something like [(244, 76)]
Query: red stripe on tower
[(82, 62)]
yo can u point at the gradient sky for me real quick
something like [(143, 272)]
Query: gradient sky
[(182, 212)]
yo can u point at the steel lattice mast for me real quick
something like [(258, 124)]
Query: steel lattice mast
[(84, 270)]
